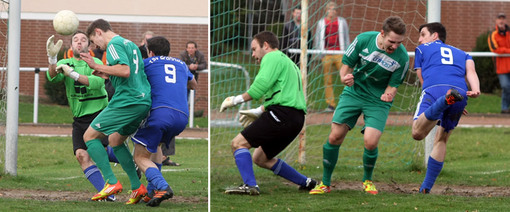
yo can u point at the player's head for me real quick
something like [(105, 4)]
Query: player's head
[(79, 43), (96, 31), (393, 33), (432, 31), (158, 46), (145, 36), (501, 20), (191, 47), (331, 9), (263, 43), (296, 14)]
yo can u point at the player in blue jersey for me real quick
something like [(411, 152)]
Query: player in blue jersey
[(169, 79), (443, 71)]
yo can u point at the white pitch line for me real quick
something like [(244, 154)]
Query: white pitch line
[(483, 125)]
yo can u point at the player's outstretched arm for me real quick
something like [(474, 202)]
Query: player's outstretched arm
[(232, 101), (52, 50), (119, 70), (472, 79)]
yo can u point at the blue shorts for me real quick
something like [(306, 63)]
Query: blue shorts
[(162, 125), (451, 116)]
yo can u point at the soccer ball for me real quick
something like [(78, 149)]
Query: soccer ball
[(65, 22)]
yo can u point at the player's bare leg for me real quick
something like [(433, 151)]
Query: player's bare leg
[(436, 160), (422, 126)]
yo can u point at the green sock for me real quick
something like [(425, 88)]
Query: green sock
[(97, 152), (330, 157), (369, 159), (126, 161)]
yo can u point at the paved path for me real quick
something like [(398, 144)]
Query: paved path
[(471, 120)]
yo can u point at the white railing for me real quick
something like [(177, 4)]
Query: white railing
[(36, 93), (411, 54)]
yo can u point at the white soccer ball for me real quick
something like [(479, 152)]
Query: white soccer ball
[(66, 22)]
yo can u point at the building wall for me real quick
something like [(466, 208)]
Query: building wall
[(34, 34)]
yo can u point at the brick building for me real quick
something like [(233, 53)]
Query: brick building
[(179, 24)]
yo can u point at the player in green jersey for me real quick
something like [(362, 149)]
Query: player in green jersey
[(276, 123), (86, 95), (375, 64), (129, 105)]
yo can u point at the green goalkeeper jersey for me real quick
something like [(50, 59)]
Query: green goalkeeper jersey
[(83, 100), (134, 89), (279, 82), (374, 69)]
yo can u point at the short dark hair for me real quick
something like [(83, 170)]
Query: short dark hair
[(394, 24), (193, 42), (159, 45), (436, 27), (99, 24), (267, 36), (79, 32)]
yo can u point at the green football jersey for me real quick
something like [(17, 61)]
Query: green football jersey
[(374, 69), (279, 82), (136, 88), (83, 100)]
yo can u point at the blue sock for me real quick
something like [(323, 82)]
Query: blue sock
[(111, 155), (155, 177), (245, 166), (94, 176), (433, 169), (150, 186), (435, 110), (283, 169), (159, 165)]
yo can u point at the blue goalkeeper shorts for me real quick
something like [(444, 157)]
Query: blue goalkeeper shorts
[(162, 125), (451, 116)]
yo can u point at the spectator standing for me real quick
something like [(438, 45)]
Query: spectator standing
[(332, 34), (499, 42)]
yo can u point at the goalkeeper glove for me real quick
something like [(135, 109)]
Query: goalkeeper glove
[(52, 49), (231, 101), (68, 71), (249, 116)]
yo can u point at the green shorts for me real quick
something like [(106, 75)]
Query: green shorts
[(350, 107), (124, 120)]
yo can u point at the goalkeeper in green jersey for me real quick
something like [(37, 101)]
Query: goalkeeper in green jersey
[(375, 64), (276, 123), (129, 105), (86, 95)]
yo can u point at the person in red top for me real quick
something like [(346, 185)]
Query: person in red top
[(499, 42), (332, 34)]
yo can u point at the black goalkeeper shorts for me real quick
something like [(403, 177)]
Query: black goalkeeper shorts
[(275, 129), (80, 125)]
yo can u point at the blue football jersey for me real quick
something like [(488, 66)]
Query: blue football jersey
[(168, 78), (441, 64)]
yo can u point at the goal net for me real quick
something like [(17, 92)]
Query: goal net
[(233, 24)]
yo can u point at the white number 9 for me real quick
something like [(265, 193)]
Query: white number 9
[(447, 55), (170, 71)]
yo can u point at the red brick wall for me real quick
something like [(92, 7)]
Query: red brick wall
[(34, 34)]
